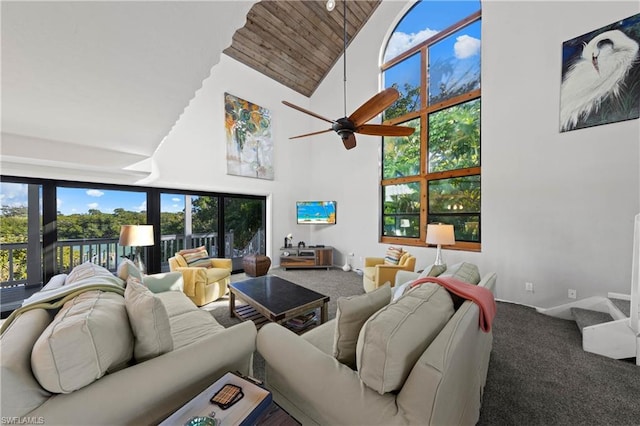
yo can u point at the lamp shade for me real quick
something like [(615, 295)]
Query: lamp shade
[(441, 234), (136, 235)]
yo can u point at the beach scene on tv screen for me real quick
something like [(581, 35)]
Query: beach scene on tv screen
[(316, 212)]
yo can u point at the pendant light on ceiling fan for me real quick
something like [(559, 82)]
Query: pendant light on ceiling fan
[(346, 127)]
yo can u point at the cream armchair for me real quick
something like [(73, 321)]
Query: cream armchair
[(376, 272), (203, 284)]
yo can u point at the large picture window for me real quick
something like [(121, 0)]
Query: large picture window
[(83, 220), (433, 176)]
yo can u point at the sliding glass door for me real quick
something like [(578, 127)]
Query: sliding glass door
[(244, 228)]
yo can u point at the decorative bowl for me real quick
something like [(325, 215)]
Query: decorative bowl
[(202, 421)]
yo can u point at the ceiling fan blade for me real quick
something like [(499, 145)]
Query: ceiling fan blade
[(374, 106), (350, 141), (310, 134), (384, 130), (306, 111)]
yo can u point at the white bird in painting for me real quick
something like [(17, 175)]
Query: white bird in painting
[(598, 73)]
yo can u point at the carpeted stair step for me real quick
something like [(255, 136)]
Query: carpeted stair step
[(623, 305), (585, 317)]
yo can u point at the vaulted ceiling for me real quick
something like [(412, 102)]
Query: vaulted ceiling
[(297, 42), (106, 81)]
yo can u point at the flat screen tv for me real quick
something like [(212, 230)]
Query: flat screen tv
[(316, 212)]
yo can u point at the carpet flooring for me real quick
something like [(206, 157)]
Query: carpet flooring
[(538, 372)]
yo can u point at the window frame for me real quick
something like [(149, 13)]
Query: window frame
[(424, 176)]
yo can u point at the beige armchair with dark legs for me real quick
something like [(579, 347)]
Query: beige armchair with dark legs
[(205, 279)]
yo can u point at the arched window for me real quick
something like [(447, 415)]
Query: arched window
[(433, 59)]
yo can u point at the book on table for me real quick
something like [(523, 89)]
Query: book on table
[(244, 412), (302, 321)]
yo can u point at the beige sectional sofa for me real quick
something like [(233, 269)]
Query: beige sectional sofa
[(147, 350), (416, 360)]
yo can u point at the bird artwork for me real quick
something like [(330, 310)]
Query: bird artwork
[(597, 81)]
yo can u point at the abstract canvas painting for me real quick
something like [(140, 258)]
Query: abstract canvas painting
[(601, 76), (249, 142)]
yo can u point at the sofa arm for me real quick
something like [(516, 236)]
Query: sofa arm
[(386, 273), (149, 392), (221, 263), (489, 281), (403, 276), (169, 281), (192, 276), (328, 391)]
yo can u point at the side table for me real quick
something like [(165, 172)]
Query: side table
[(245, 412), (256, 265)]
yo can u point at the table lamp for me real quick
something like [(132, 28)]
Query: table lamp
[(439, 234), (137, 236)]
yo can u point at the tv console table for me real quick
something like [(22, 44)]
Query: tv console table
[(306, 257)]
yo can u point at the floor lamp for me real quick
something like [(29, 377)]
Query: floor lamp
[(137, 236), (440, 234)]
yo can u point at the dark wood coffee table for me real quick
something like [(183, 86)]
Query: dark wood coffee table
[(271, 298)]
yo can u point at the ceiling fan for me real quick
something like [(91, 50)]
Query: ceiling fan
[(347, 127)]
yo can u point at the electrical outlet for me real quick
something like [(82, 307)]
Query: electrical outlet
[(351, 254), (572, 294), (528, 287)]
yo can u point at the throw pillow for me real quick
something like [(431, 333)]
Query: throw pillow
[(128, 269), (192, 256), (463, 271), (149, 321), (204, 262), (433, 271), (89, 336), (393, 255), (393, 339), (55, 282), (351, 314), (86, 270), (429, 271)]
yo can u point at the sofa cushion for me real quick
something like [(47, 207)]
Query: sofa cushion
[(393, 339), (193, 326), (86, 270), (352, 312), (89, 336), (216, 274), (463, 271), (149, 321), (430, 271), (393, 255), (176, 303), (127, 268)]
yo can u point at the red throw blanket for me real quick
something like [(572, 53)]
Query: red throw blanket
[(479, 295)]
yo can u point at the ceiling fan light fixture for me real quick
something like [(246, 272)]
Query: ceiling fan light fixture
[(331, 4)]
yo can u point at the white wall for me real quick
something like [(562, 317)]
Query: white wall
[(557, 209), (193, 155)]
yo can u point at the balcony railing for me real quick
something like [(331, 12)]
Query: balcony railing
[(107, 253)]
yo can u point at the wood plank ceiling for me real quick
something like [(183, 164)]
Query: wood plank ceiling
[(297, 42)]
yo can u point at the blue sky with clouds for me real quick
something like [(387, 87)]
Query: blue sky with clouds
[(428, 18), (81, 200)]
